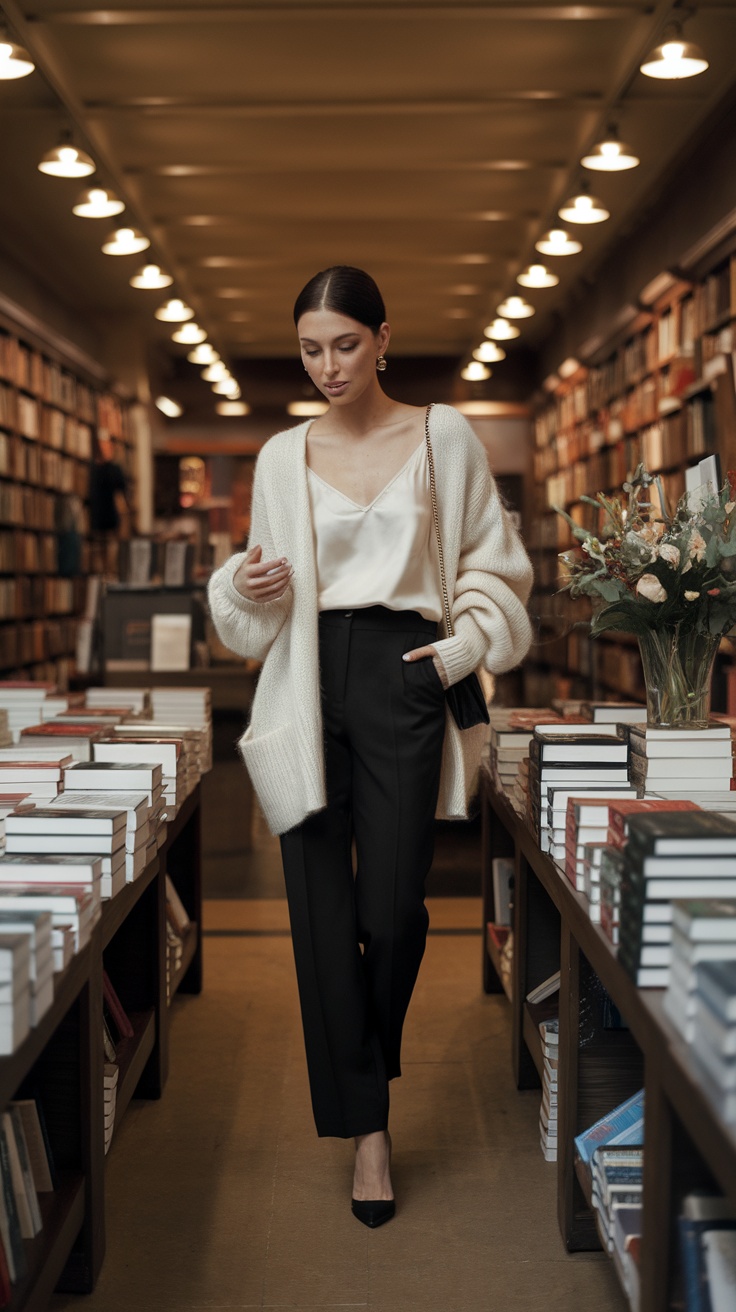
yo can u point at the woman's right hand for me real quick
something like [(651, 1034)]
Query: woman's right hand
[(262, 581)]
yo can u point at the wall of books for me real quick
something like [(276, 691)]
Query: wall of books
[(49, 416), (661, 391)]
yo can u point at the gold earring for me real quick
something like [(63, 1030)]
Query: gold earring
[(381, 363)]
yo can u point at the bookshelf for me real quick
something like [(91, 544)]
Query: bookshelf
[(687, 1144), (61, 1061), (51, 411), (659, 389)]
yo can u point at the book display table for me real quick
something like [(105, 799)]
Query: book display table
[(688, 1146), (61, 1061)]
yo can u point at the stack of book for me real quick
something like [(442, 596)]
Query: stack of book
[(702, 930), (593, 855), (54, 830), (73, 740), (549, 1031), (152, 748), (41, 779), (614, 712), (137, 700), (621, 810), (622, 1127), (553, 834), (74, 910), (576, 759), (669, 856), (511, 730), (707, 1229), (189, 708), (22, 702), (143, 823), (618, 1180), (610, 875), (117, 776), (15, 991), (110, 1077), (586, 825), (36, 924), (681, 761)]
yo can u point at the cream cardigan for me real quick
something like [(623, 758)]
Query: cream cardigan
[(488, 577)]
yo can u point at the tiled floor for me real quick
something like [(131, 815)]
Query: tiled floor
[(221, 1196)]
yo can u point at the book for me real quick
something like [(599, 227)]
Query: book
[(29, 1187), (687, 832), (175, 907), (9, 1218), (39, 1159), (34, 867), (595, 749), (70, 820), (116, 1009), (128, 777), (719, 1248), (624, 1125), (544, 990), (503, 879)]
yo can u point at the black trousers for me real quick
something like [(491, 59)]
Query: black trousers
[(359, 934)]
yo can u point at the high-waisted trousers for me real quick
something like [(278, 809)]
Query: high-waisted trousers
[(359, 929)]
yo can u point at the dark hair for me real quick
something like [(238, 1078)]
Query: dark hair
[(345, 290)]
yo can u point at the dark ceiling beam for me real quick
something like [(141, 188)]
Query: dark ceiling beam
[(285, 9), (172, 105), (403, 166)]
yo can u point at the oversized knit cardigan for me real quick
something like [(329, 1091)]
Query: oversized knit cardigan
[(488, 577)]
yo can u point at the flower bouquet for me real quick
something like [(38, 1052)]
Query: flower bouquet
[(668, 578)]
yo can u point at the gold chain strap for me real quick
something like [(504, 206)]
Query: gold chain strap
[(436, 517)]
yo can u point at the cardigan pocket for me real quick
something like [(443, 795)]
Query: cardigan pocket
[(270, 759)]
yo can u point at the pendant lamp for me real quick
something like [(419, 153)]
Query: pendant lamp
[(66, 160), (98, 203), (557, 242), (152, 277), (15, 62), (674, 58)]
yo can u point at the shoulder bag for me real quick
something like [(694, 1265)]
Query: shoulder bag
[(465, 699)]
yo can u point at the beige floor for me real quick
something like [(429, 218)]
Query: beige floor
[(221, 1196)]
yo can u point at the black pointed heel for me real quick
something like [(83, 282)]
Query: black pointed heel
[(374, 1213)]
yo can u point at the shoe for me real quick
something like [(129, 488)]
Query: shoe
[(375, 1213)]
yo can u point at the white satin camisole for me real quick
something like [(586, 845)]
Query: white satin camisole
[(383, 554)]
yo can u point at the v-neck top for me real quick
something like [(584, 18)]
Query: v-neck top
[(382, 554)]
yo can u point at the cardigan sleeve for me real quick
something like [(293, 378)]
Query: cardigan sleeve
[(493, 584), (248, 627)]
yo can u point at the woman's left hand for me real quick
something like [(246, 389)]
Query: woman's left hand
[(421, 654)]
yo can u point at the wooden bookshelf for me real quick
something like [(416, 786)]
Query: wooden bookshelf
[(660, 389), (52, 409), (61, 1061), (688, 1144)]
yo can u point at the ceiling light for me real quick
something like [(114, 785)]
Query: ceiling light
[(674, 57), (204, 354), (174, 311), (226, 387), (169, 407), (125, 241), (231, 408), (610, 155), (501, 330), (537, 275), (558, 242), (568, 367), (151, 277), (515, 307), (475, 372), (67, 160), (215, 371), (489, 353), (98, 203), (304, 409), (190, 334), (583, 208), (14, 60)]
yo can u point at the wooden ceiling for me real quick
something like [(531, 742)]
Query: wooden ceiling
[(257, 142)]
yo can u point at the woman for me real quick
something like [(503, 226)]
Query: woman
[(349, 741)]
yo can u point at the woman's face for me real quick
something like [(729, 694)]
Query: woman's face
[(339, 354)]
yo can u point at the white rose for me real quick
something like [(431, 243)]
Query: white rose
[(650, 587), (670, 553), (691, 596)]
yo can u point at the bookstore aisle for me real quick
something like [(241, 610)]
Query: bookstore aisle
[(220, 1195)]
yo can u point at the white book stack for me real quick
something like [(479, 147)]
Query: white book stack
[(15, 991), (701, 931), (550, 1033), (111, 1073), (592, 856), (192, 752), (36, 925), (137, 699), (74, 910), (73, 740), (140, 829), (79, 832), (163, 751), (116, 776), (615, 712), (511, 729), (23, 704), (553, 822), (83, 874), (44, 779), (188, 708), (62, 942), (677, 762)]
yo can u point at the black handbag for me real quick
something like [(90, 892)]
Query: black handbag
[(465, 699)]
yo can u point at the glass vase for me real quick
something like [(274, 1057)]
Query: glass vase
[(678, 669)]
